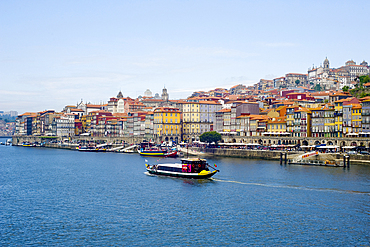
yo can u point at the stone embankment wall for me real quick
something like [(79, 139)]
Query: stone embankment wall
[(243, 153), (274, 155)]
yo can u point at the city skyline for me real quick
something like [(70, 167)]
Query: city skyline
[(54, 54)]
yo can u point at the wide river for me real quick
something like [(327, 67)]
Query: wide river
[(59, 197)]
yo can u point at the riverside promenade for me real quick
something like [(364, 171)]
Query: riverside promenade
[(71, 143)]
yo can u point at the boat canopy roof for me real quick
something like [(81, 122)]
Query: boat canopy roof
[(193, 160)]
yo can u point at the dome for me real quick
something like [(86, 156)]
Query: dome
[(148, 93)]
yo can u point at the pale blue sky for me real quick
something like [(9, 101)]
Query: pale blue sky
[(53, 53)]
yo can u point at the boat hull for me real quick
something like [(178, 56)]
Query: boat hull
[(157, 154), (205, 175)]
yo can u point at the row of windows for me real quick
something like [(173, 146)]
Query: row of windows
[(166, 114), (278, 126), (166, 121)]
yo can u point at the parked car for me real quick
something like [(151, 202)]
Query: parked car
[(351, 152), (364, 152)]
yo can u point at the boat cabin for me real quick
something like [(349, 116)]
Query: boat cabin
[(194, 165)]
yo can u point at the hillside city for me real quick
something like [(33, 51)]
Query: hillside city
[(325, 102)]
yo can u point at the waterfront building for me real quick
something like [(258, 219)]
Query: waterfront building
[(191, 120), (239, 108), (63, 125), (277, 126), (207, 111), (242, 125), (136, 125), (329, 121), (92, 121), (302, 122), (258, 124), (347, 119), (107, 126), (290, 118), (122, 122), (318, 121), (223, 118), (83, 123), (338, 118), (356, 118), (78, 127), (338, 114), (167, 123), (366, 116), (149, 125)]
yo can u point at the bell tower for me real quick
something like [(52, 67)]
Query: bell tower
[(326, 64)]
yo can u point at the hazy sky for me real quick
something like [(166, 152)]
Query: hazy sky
[(55, 53)]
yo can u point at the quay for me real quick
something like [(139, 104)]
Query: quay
[(57, 142)]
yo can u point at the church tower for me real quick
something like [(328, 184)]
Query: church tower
[(120, 95), (164, 95), (326, 65)]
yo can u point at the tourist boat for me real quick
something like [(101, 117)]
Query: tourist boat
[(90, 149), (188, 168), (157, 152)]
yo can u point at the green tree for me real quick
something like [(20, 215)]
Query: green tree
[(345, 88), (210, 137), (318, 87), (297, 82), (364, 79)]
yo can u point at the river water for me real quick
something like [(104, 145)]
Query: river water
[(64, 198)]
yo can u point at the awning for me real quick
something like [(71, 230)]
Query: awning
[(328, 147), (352, 134), (349, 147), (232, 144)]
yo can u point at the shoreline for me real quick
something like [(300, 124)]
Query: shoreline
[(355, 159)]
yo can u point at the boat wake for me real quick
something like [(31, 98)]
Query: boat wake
[(294, 187)]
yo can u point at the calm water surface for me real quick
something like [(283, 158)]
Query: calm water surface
[(60, 197)]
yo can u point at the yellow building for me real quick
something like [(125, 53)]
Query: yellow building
[(356, 118), (277, 126), (191, 120), (84, 123), (167, 123), (290, 118)]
